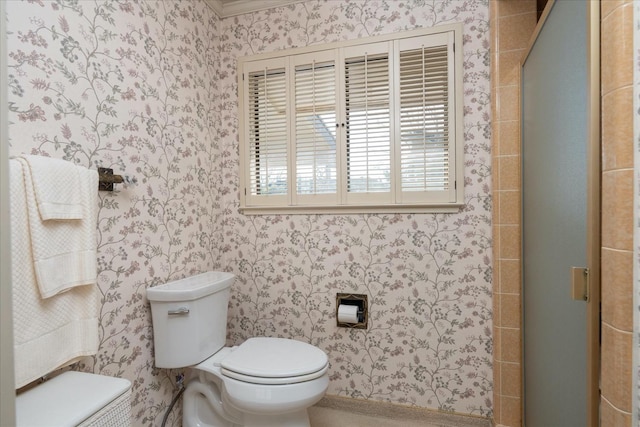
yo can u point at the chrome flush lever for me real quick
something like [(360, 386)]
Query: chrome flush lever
[(179, 311)]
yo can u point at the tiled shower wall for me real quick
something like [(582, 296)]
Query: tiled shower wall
[(513, 23), (617, 211), (617, 216)]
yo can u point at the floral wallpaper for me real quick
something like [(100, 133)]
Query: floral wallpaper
[(149, 88), (428, 277), (129, 85)]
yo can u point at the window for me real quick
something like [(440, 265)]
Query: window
[(372, 125)]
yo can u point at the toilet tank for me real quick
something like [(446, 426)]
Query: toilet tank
[(189, 318)]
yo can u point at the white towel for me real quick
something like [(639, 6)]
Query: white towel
[(56, 185), (64, 251), (48, 333)]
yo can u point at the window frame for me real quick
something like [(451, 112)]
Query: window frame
[(344, 202)]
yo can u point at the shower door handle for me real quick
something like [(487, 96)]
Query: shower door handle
[(580, 283)]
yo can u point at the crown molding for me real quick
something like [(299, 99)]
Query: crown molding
[(216, 5), (238, 7)]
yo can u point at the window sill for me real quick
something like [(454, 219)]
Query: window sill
[(338, 210)]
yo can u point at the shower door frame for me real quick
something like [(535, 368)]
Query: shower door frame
[(593, 227)]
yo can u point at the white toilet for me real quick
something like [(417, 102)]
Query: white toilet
[(262, 382)]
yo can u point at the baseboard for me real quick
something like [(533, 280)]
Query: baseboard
[(401, 412)]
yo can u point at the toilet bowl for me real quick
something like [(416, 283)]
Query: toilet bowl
[(262, 382), (258, 392)]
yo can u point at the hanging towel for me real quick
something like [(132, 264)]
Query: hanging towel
[(48, 333), (56, 187), (64, 251)]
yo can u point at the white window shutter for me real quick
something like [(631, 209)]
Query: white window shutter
[(367, 125), (266, 92), (315, 137), (368, 106), (426, 110)]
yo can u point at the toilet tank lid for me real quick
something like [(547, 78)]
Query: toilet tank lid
[(68, 399), (191, 288)]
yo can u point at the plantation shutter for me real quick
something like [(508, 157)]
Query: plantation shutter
[(267, 137), (368, 123), (315, 128), (357, 126), (426, 146)]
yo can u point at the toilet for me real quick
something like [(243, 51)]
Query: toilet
[(262, 382)]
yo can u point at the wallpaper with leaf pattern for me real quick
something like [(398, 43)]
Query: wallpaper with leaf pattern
[(149, 88)]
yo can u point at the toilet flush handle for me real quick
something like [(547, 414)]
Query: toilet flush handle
[(179, 311)]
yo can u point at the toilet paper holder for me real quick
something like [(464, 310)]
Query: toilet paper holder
[(359, 300)]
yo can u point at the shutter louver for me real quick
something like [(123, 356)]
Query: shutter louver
[(315, 128), (424, 119), (267, 132), (368, 122)]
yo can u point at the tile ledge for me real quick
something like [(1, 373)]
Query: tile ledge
[(401, 412)]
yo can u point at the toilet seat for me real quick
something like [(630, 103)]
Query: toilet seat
[(274, 381), (273, 361)]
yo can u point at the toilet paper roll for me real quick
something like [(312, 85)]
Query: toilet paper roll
[(347, 313)]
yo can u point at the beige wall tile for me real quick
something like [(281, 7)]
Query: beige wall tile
[(511, 345), (495, 173), (495, 75), (617, 209), (510, 277), (497, 344), (509, 170), (496, 199), (617, 129), (495, 282), (511, 379), (617, 288), (508, 67), (617, 48), (496, 245), (616, 367), (509, 33), (617, 74), (495, 137), (515, 30), (495, 97), (497, 314), (510, 311), (497, 413), (509, 207), (509, 242), (511, 7), (509, 138), (612, 417), (508, 107), (608, 6), (511, 412)]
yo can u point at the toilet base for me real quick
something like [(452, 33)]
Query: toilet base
[(204, 407)]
